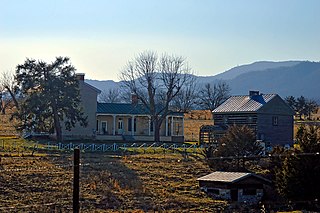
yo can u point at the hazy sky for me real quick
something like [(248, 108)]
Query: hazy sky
[(100, 36)]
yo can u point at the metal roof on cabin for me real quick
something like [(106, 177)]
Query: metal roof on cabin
[(230, 177), (125, 109), (244, 103)]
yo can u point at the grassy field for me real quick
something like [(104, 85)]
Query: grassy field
[(109, 183)]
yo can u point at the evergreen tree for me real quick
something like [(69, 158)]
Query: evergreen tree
[(50, 96), (238, 143), (291, 101), (301, 106), (298, 177), (239, 140)]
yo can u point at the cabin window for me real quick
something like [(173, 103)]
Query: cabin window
[(225, 119), (249, 192), (261, 136), (275, 120), (214, 191)]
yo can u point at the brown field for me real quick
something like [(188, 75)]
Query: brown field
[(6, 125), (127, 183)]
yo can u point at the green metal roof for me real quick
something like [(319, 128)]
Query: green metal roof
[(125, 109)]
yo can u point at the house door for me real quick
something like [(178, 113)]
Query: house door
[(120, 126), (234, 194), (104, 127)]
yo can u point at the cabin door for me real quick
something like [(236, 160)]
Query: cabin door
[(234, 194)]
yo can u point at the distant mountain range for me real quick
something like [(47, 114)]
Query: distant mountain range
[(285, 78)]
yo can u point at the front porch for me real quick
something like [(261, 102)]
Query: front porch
[(115, 127)]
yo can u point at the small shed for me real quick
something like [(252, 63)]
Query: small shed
[(235, 186)]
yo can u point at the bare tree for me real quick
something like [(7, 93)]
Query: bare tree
[(8, 91), (156, 81), (186, 98), (311, 107), (2, 101), (112, 95), (212, 96)]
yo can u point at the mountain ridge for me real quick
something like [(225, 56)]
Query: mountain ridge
[(284, 78)]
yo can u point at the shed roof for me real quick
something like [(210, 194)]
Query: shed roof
[(244, 103), (228, 177)]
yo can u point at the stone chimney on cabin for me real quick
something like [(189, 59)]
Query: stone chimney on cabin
[(80, 76), (253, 93)]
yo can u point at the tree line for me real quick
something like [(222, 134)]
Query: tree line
[(46, 95), (303, 107)]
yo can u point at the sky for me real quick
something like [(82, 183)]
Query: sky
[(101, 36)]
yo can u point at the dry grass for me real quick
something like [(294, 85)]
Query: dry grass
[(6, 125), (133, 183), (193, 121)]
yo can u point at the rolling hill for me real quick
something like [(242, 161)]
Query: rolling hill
[(284, 78)]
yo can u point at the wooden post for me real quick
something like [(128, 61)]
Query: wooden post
[(76, 186)]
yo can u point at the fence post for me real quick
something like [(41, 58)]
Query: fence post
[(76, 177)]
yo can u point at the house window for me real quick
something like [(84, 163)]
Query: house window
[(249, 192), (130, 124), (104, 127), (151, 126), (120, 124), (275, 120), (177, 128)]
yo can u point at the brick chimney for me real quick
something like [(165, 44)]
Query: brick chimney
[(134, 99), (80, 76), (253, 93)]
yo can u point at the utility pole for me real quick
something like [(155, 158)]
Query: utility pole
[(76, 185)]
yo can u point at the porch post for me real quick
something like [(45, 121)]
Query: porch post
[(166, 125), (172, 126), (98, 126), (149, 125), (182, 126), (132, 125), (114, 125)]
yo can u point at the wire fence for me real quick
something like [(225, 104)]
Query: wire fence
[(44, 184), (21, 147), (19, 178), (36, 184)]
